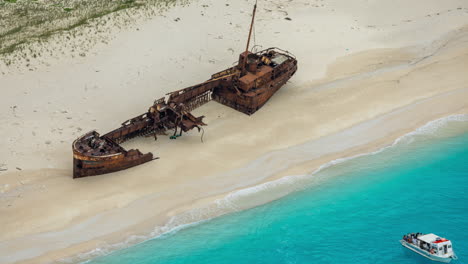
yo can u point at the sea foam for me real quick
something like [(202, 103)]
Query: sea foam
[(259, 194)]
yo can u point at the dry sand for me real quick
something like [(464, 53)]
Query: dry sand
[(369, 72)]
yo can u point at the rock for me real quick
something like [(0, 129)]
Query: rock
[(48, 142), (288, 18)]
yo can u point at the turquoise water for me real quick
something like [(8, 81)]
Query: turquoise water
[(357, 216)]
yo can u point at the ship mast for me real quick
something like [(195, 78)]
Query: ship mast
[(248, 40)]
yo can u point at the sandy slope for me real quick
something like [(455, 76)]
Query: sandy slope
[(398, 68)]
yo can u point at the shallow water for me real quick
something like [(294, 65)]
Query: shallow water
[(357, 214)]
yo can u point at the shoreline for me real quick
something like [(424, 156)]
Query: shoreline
[(292, 183), (416, 159), (142, 232), (374, 93), (224, 203)]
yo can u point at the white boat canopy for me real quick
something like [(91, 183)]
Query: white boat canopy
[(429, 238)]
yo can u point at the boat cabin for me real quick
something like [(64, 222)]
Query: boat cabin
[(436, 245), (261, 68)]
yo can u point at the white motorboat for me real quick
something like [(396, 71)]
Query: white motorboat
[(430, 246)]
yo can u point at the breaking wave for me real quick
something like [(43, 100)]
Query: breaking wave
[(250, 197)]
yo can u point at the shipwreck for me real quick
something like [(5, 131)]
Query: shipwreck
[(245, 87)]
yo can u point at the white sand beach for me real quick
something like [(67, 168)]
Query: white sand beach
[(369, 72)]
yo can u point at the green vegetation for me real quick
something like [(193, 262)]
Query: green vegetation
[(27, 21)]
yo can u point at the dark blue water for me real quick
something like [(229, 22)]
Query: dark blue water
[(356, 216)]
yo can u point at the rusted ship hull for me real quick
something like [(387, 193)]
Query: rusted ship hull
[(245, 87), (83, 167), (251, 101), (266, 72), (89, 165)]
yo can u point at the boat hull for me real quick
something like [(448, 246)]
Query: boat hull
[(251, 102), (245, 89), (83, 166), (425, 253), (87, 163)]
